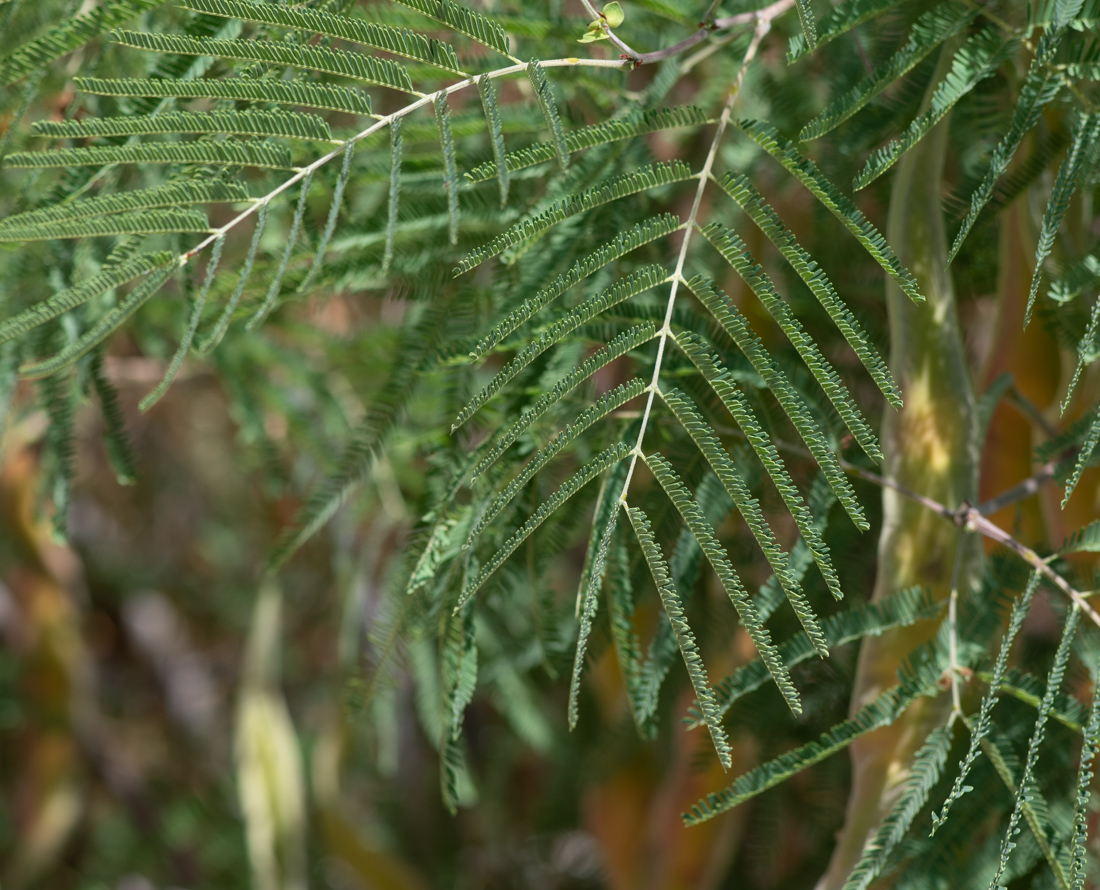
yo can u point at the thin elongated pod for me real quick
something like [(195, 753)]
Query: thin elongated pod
[(931, 446)]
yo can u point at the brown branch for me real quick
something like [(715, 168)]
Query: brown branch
[(970, 518)]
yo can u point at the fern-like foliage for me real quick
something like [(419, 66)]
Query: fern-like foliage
[(595, 292)]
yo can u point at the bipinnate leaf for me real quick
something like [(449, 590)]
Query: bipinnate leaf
[(70, 34), (1026, 793), (929, 32)]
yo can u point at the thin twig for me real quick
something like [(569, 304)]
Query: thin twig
[(970, 518), (1022, 490)]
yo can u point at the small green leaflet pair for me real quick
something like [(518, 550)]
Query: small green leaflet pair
[(611, 16)]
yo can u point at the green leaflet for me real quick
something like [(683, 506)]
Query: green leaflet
[(234, 154), (642, 233), (1040, 88), (1088, 446), (1079, 278), (399, 42), (685, 566), (417, 344), (735, 590), (1033, 805), (749, 508), (222, 324), (68, 299), (809, 26), (738, 187), (603, 133), (982, 726), (394, 196), (929, 31), (292, 238), (620, 606), (639, 282), (58, 394), (143, 222), (649, 177), (189, 334), (1029, 689), (1080, 832), (474, 25), (685, 639), (883, 711), (1086, 133), (174, 194), (450, 166), (488, 94), (625, 342), (544, 94), (333, 214), (720, 380), (603, 530), (69, 35), (457, 670), (925, 771), (843, 17), (1025, 792), (900, 609), (603, 406), (102, 329), (806, 172), (770, 594), (978, 59), (358, 66), (570, 487), (735, 325), (280, 92), (290, 125), (1084, 540), (733, 249), (115, 438)]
